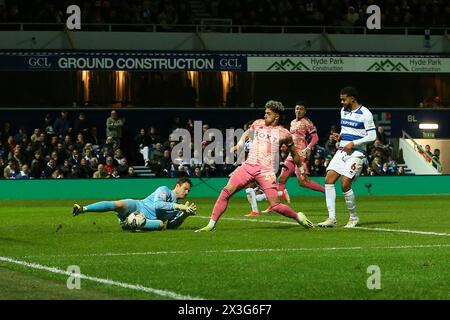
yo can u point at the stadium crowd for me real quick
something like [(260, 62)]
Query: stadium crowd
[(164, 12), (405, 13), (431, 157), (60, 148)]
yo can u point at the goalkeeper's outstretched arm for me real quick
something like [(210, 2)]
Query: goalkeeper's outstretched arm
[(186, 210)]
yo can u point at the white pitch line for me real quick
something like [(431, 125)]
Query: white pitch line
[(109, 254), (159, 292), (406, 231), (360, 228)]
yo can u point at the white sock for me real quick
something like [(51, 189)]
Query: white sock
[(330, 197), (261, 197), (211, 223), (351, 204), (251, 197)]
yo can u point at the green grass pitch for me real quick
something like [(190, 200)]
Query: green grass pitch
[(266, 257)]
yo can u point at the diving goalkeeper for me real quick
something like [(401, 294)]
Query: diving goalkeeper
[(159, 210)]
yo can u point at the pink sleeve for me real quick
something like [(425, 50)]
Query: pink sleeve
[(314, 140)]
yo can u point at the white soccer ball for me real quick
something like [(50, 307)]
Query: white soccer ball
[(136, 220)]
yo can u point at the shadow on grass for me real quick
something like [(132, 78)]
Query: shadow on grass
[(15, 240)]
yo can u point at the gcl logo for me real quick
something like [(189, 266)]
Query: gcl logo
[(39, 63), (230, 63)]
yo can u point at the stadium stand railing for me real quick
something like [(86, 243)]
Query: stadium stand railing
[(222, 26)]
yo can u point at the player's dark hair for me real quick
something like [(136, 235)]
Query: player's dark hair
[(182, 180), (351, 92), (275, 106), (301, 103)]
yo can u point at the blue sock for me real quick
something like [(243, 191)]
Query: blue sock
[(101, 206), (152, 225)]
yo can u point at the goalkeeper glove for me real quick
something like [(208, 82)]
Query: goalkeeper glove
[(189, 208)]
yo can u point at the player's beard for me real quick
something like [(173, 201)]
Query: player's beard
[(347, 108)]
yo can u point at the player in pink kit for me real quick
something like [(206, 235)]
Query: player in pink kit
[(259, 166), (300, 127)]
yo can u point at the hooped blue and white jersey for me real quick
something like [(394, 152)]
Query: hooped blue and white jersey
[(355, 125)]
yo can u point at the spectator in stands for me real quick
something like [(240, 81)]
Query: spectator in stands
[(11, 170), (381, 135), (114, 126), (437, 103), (197, 172), (377, 165), (122, 167), (88, 155), (142, 146), (370, 172), (47, 125), (58, 174), (153, 136), (93, 163), (49, 168), (75, 173), (61, 153), (68, 144), (351, 17), (108, 147), (35, 136), (165, 164), (156, 157), (74, 158), (81, 125), (400, 171), (181, 164), (330, 144), (62, 125), (131, 173), (101, 172), (19, 135), (24, 174), (318, 169), (109, 166), (115, 174), (378, 150), (37, 165), (428, 154), (42, 145), (17, 155), (10, 144), (118, 155), (79, 143), (66, 168), (85, 169), (437, 161), (92, 138)]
